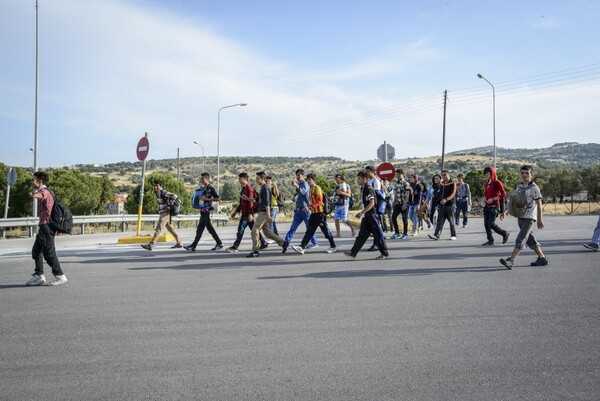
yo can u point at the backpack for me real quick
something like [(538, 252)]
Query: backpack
[(381, 202), (517, 202), (197, 203), (351, 200), (175, 207), (61, 218), (328, 204)]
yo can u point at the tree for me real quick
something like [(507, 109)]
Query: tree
[(590, 181), (230, 192), (150, 206)]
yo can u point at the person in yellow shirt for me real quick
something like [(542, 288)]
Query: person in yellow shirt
[(318, 218)]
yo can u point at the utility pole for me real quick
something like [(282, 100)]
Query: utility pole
[(444, 130), (177, 164)]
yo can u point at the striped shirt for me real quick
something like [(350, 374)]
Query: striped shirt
[(316, 200)]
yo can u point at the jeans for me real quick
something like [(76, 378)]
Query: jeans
[(43, 248), (317, 220), (397, 212), (489, 221), (596, 236), (412, 215), (299, 217), (369, 225), (273, 225), (202, 224), (241, 228), (464, 208), (445, 212)]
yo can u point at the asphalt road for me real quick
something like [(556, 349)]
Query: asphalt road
[(437, 321)]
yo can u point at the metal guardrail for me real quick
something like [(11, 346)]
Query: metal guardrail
[(124, 219)]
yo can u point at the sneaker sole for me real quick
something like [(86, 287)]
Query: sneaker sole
[(505, 264)]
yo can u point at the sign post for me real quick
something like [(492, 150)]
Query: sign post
[(143, 147), (11, 178)]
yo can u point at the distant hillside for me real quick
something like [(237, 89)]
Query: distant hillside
[(126, 174), (571, 154)]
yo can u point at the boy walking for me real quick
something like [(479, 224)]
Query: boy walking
[(341, 196), (446, 207), (463, 200), (246, 209), (43, 247), (302, 211), (164, 199), (263, 219), (369, 225), (494, 197), (317, 218), (532, 215), (209, 196), (401, 195)]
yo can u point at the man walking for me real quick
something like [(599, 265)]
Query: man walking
[(209, 196), (463, 200), (302, 211), (446, 207), (246, 208), (341, 196), (263, 219), (43, 247), (494, 197), (531, 215), (402, 193), (317, 218), (164, 199), (369, 225)]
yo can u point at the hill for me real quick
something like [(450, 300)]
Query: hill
[(127, 174)]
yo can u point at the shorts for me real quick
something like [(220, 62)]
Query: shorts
[(340, 213)]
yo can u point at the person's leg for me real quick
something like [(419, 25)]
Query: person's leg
[(325, 230), (313, 224), (493, 226), (465, 214), (204, 218), (377, 232), (259, 223), (397, 211), (489, 216), (49, 251), (363, 235), (596, 235), (405, 222), (160, 227), (298, 218), (36, 253), (457, 214), (174, 233), (243, 223), (213, 232), (450, 216)]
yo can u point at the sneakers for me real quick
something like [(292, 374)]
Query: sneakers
[(218, 247), (404, 236), (373, 248), (452, 238), (592, 246), (349, 255), (311, 246), (382, 257), (177, 246), (332, 250), (487, 243), (58, 280), (147, 247), (285, 246), (189, 248), (540, 262), (505, 237), (354, 232), (508, 263), (298, 249), (232, 249), (36, 279), (435, 237), (395, 236), (262, 246), (253, 254)]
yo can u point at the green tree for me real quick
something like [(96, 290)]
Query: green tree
[(230, 192), (150, 206), (590, 181)]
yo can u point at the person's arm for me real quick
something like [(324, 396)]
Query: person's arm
[(368, 207), (468, 194), (540, 221)]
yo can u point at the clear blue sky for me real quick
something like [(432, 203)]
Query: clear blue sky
[(321, 78)]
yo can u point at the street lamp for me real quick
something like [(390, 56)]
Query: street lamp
[(218, 137), (494, 113), (203, 168)]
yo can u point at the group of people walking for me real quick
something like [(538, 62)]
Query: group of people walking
[(410, 200)]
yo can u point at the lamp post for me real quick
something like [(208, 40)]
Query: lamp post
[(218, 139), (494, 113), (203, 167), (34, 208)]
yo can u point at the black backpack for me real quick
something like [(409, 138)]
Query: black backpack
[(61, 218), (175, 207)]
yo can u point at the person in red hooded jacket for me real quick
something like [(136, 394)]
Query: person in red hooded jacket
[(494, 195)]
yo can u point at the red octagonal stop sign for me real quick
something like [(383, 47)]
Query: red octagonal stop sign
[(386, 170), (143, 147)]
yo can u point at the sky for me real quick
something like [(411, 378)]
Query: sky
[(320, 78)]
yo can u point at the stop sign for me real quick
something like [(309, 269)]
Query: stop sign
[(143, 147), (386, 170)]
